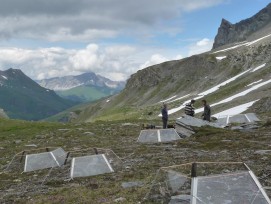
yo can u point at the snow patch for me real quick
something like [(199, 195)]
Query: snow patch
[(168, 99), (243, 44), (61, 88), (174, 110), (217, 87), (221, 57), (259, 67), (209, 91), (255, 41), (256, 82), (4, 77), (111, 85), (243, 93), (235, 110), (230, 48), (180, 98)]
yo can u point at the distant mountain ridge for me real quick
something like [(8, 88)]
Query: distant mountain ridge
[(86, 79), (86, 87), (256, 27), (23, 98)]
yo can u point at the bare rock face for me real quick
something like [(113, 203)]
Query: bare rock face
[(232, 33)]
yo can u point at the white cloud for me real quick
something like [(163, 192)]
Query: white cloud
[(86, 20), (114, 61), (155, 59), (201, 46)]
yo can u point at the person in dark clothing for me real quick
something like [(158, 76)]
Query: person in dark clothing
[(190, 109), (207, 111), (164, 116)]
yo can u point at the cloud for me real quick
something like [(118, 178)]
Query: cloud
[(86, 20), (155, 59), (113, 61), (116, 62), (201, 46)]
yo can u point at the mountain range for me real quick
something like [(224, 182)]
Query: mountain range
[(23, 98), (82, 88)]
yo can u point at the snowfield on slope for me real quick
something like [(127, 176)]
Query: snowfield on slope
[(259, 67), (180, 98), (217, 87), (235, 110), (4, 77), (242, 44), (256, 82), (219, 58), (243, 93), (168, 99)]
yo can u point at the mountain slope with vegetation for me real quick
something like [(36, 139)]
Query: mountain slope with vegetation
[(22, 98), (184, 79)]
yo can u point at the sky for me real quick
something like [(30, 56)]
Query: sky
[(113, 38)]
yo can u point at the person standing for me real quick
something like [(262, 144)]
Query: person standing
[(190, 109), (207, 111), (164, 112)]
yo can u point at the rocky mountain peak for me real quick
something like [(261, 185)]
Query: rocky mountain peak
[(231, 33)]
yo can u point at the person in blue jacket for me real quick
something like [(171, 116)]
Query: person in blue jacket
[(164, 112)]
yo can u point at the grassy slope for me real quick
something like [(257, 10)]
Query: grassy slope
[(144, 160), (86, 93), (222, 70)]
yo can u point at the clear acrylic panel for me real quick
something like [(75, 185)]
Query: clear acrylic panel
[(238, 119), (45, 160), (148, 136), (167, 135), (40, 161), (60, 156), (229, 188), (90, 166)]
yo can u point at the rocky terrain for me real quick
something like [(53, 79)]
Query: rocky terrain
[(140, 162), (254, 27)]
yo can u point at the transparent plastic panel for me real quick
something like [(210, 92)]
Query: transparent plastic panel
[(180, 199), (40, 161), (252, 117), (167, 135), (238, 119), (148, 136), (60, 156), (184, 131), (175, 181), (90, 166), (216, 183), (223, 121), (171, 185), (229, 188), (195, 122)]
